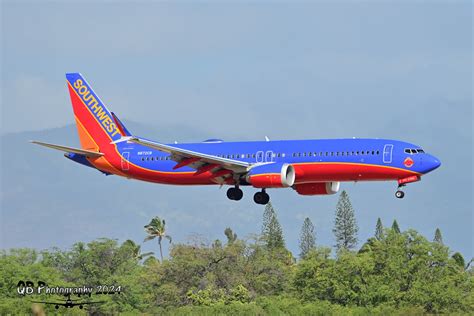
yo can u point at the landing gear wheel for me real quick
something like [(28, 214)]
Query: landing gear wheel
[(235, 194), (400, 194), (261, 198)]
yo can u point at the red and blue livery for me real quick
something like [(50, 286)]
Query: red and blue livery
[(310, 167)]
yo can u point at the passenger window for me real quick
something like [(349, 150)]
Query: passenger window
[(373, 152)]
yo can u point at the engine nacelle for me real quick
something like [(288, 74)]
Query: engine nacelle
[(320, 188), (272, 175)]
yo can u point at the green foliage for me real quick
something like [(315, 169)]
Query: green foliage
[(379, 229), (459, 259), (395, 227), (396, 273), (345, 226), (231, 236), (307, 238), (437, 237), (272, 232), (156, 228), (212, 296), (401, 269)]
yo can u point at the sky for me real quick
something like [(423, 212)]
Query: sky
[(246, 70)]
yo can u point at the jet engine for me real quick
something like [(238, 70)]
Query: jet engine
[(320, 188), (272, 175)]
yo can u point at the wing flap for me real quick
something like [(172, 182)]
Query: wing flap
[(87, 153)]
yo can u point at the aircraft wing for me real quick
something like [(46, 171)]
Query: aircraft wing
[(87, 153), (190, 158)]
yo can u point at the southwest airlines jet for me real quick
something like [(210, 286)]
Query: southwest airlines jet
[(310, 167)]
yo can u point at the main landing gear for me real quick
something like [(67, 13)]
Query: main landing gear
[(261, 197), (235, 194), (400, 194)]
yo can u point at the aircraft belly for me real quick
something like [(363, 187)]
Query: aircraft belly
[(331, 171), (166, 177)]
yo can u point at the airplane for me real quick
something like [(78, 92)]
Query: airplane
[(310, 167), (69, 303)]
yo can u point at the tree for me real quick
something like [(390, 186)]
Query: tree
[(135, 250), (272, 232), (395, 227), (437, 237), (345, 226), (307, 237), (231, 236), (156, 228), (459, 259), (379, 229)]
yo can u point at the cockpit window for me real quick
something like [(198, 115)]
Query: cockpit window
[(412, 151)]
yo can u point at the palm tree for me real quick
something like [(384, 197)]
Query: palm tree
[(135, 250), (156, 228)]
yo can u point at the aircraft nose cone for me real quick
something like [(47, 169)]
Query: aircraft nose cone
[(432, 163)]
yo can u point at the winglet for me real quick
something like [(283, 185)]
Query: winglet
[(122, 129)]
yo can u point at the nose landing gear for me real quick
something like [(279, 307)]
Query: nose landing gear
[(261, 197), (400, 194)]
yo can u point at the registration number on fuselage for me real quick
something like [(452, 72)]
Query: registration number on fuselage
[(144, 153)]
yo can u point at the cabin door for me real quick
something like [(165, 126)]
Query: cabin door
[(124, 162), (387, 153), (269, 156)]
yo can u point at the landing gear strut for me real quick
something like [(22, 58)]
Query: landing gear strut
[(235, 194), (400, 194), (261, 197)]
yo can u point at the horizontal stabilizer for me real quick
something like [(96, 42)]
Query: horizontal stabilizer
[(87, 153)]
